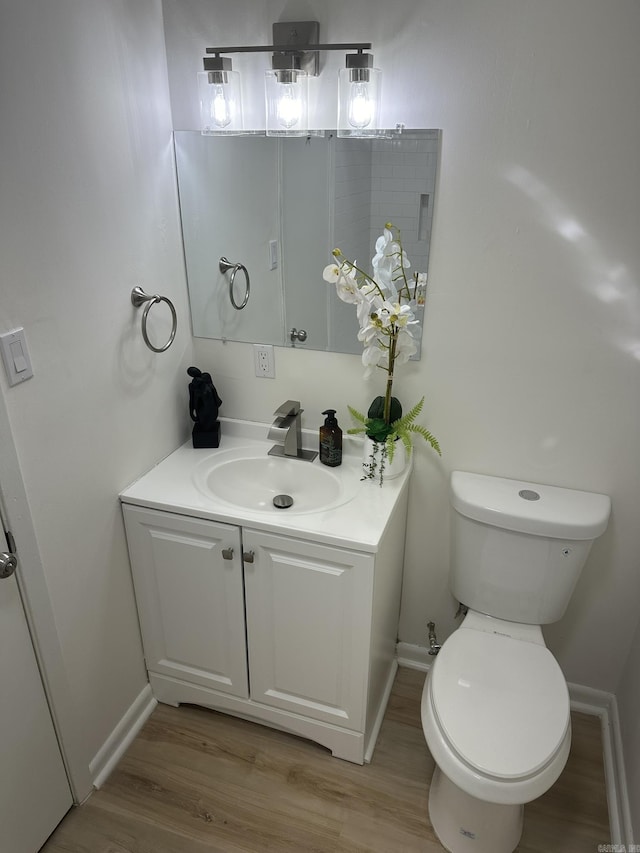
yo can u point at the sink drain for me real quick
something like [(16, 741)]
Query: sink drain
[(283, 501)]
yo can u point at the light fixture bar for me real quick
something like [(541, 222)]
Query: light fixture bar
[(307, 51), (292, 38), (289, 48)]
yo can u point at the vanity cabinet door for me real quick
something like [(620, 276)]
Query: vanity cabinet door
[(187, 574), (308, 627)]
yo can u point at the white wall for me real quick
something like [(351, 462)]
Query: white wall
[(88, 210), (532, 343)]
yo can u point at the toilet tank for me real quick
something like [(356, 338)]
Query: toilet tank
[(518, 548)]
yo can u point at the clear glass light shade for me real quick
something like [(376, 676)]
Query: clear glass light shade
[(220, 102), (359, 102), (287, 102)]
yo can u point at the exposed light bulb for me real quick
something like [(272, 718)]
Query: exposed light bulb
[(221, 111), (360, 107), (289, 107), (286, 99), (359, 97), (220, 98)]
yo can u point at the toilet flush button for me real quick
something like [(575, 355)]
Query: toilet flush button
[(529, 495)]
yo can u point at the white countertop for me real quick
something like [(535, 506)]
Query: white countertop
[(359, 523)]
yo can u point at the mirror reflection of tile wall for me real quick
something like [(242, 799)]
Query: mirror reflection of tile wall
[(380, 181)]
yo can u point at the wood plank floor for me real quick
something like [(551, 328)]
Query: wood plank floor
[(195, 781)]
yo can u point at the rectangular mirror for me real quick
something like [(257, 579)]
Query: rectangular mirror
[(279, 206)]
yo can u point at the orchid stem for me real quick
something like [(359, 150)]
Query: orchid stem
[(392, 359)]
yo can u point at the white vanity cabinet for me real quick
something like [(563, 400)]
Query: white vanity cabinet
[(308, 627), (297, 634), (187, 574)]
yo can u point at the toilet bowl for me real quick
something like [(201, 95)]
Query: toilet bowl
[(495, 704), (495, 713)]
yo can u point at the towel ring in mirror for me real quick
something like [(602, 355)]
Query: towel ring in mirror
[(226, 265)]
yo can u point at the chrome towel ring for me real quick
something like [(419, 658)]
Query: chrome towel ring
[(138, 298), (224, 267)]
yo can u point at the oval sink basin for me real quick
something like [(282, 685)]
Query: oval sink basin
[(250, 479)]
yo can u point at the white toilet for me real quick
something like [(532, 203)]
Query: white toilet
[(495, 705)]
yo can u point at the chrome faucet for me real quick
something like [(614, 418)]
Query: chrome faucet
[(287, 431)]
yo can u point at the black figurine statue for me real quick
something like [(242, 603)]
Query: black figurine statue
[(204, 404)]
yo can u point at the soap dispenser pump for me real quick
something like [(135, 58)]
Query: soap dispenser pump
[(330, 440)]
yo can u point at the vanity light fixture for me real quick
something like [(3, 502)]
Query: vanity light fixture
[(220, 98), (295, 60), (359, 96), (286, 92)]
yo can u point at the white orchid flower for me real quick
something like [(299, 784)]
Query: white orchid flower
[(347, 287), (384, 280), (368, 333), (331, 273), (381, 246), (389, 313), (344, 276), (370, 303), (389, 264), (403, 316), (405, 346), (395, 251), (385, 312), (374, 356)]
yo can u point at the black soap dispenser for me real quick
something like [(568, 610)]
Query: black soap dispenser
[(330, 440)]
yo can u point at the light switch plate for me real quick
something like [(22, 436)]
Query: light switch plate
[(273, 254), (15, 355)]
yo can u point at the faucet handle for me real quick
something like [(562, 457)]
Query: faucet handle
[(289, 407)]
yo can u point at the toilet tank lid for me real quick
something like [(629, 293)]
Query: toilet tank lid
[(530, 507)]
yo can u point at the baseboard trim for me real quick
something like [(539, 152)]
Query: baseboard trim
[(413, 657), (121, 737), (588, 701), (605, 706)]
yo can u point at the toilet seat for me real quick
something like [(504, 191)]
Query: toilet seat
[(501, 703)]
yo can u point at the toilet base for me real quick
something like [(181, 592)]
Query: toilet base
[(465, 824)]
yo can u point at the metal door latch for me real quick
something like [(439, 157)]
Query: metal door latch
[(8, 564)]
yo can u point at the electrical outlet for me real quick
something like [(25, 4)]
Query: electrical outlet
[(264, 361)]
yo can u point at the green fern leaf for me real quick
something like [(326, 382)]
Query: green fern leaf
[(409, 417), (406, 440), (429, 437), (356, 415), (391, 447)]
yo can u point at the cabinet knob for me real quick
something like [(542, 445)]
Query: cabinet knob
[(248, 556), (227, 553)]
